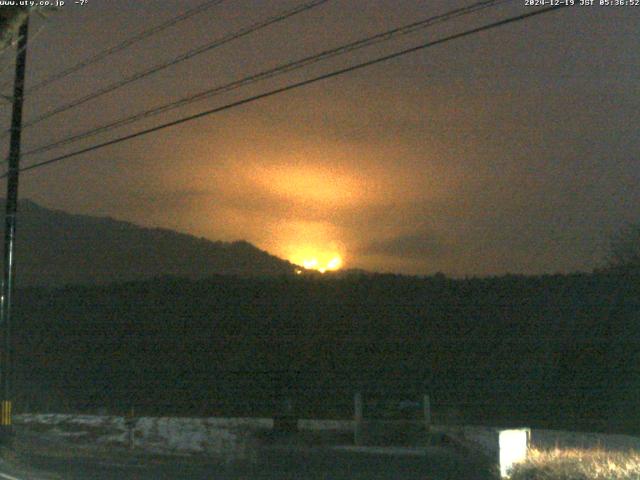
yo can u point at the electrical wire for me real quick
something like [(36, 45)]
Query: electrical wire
[(123, 45), (295, 85), (272, 72), (180, 58), (3, 50), (6, 68)]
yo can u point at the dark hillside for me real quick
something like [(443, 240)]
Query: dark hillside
[(556, 351), (54, 248)]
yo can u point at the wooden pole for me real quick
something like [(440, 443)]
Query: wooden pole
[(6, 297)]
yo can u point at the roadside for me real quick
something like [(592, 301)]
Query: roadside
[(273, 463), (14, 466), (92, 447)]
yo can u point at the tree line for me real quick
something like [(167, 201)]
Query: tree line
[(556, 351)]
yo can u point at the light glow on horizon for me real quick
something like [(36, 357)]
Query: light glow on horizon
[(320, 261)]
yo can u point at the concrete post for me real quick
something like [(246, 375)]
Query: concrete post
[(357, 419), (131, 438), (513, 447), (130, 423), (426, 406)]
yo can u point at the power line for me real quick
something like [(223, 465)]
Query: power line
[(5, 69), (272, 72), (180, 58), (41, 11), (293, 86), (123, 45), (18, 52), (5, 48)]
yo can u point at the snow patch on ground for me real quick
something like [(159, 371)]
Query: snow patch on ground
[(231, 437)]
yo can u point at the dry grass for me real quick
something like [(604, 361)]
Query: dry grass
[(577, 464)]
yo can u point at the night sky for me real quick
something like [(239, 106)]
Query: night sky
[(514, 150)]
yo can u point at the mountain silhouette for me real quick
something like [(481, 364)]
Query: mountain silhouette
[(55, 248)]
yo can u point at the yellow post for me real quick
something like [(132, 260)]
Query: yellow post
[(5, 417)]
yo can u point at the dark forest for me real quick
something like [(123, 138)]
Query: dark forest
[(556, 351)]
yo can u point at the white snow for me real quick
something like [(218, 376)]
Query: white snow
[(232, 437)]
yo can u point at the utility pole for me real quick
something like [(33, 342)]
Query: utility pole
[(6, 427)]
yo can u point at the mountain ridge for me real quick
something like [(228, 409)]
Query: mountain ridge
[(55, 248)]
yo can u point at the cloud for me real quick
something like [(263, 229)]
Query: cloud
[(414, 245)]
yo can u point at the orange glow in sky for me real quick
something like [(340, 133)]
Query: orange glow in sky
[(316, 184), (311, 193)]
